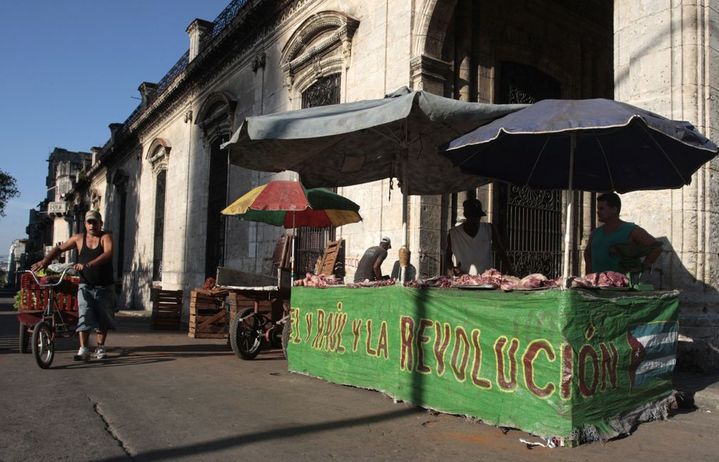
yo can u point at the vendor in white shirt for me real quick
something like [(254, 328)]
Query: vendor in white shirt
[(470, 244)]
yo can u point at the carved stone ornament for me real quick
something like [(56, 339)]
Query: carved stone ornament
[(258, 62), (216, 115), (158, 154), (95, 199), (321, 45)]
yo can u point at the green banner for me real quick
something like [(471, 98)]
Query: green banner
[(577, 364)]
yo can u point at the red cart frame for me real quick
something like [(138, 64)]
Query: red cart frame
[(33, 300)]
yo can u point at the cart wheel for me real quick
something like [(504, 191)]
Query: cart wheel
[(286, 328), (43, 344), (23, 339), (246, 335)]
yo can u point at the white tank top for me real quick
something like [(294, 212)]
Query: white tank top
[(474, 254)]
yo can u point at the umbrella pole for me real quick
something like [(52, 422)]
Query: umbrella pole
[(404, 155), (292, 253), (570, 207)]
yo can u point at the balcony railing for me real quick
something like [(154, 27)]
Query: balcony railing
[(223, 20)]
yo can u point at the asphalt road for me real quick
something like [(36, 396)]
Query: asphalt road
[(165, 396)]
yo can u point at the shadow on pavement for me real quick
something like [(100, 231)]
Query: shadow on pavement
[(182, 350), (147, 354), (696, 390), (275, 433), (113, 361)]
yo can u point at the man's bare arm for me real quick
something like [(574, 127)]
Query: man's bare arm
[(640, 236), (56, 251), (451, 268), (377, 267), (588, 256)]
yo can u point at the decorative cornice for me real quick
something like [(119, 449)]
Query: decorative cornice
[(428, 67), (229, 47), (309, 44)]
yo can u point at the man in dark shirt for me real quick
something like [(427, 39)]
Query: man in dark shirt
[(96, 295), (370, 266)]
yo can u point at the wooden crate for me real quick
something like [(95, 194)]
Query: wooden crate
[(333, 260), (271, 305), (166, 309), (208, 317)]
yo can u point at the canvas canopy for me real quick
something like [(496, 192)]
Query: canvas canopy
[(353, 143)]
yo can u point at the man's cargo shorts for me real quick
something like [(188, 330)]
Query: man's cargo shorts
[(96, 307)]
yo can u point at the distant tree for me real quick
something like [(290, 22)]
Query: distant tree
[(8, 190)]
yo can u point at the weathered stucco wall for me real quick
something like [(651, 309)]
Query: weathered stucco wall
[(666, 55)]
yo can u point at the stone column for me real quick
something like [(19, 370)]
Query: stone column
[(430, 73), (665, 60)]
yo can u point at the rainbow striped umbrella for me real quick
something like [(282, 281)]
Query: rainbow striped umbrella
[(289, 204)]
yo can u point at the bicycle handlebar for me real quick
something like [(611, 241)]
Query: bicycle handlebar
[(59, 281)]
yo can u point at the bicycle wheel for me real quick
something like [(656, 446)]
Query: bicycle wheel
[(23, 339), (43, 344), (246, 334)]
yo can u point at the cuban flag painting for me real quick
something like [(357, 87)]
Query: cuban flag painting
[(654, 351)]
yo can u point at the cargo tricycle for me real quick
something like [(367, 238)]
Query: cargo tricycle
[(259, 307), (48, 310)]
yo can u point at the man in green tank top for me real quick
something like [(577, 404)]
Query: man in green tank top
[(601, 252)]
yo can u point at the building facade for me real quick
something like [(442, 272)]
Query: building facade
[(162, 178), (17, 261), (55, 218)]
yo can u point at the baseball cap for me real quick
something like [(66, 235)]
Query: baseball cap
[(93, 215), (388, 241)]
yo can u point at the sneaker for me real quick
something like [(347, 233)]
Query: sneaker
[(83, 354), (100, 352)]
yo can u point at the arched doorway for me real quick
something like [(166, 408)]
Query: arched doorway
[(518, 51), (216, 118)]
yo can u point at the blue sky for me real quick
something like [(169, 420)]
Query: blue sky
[(69, 68)]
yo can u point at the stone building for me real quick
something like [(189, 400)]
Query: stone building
[(55, 218), (161, 179), (17, 261)]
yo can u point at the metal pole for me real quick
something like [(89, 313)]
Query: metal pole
[(570, 206)]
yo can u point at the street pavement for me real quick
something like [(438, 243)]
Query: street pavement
[(165, 396)]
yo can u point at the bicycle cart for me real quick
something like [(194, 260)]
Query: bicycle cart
[(48, 310), (259, 309)]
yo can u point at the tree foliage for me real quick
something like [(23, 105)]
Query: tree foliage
[(8, 190)]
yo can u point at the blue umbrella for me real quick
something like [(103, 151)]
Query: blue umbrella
[(591, 145), (619, 147)]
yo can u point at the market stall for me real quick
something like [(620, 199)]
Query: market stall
[(568, 364), (578, 365)]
